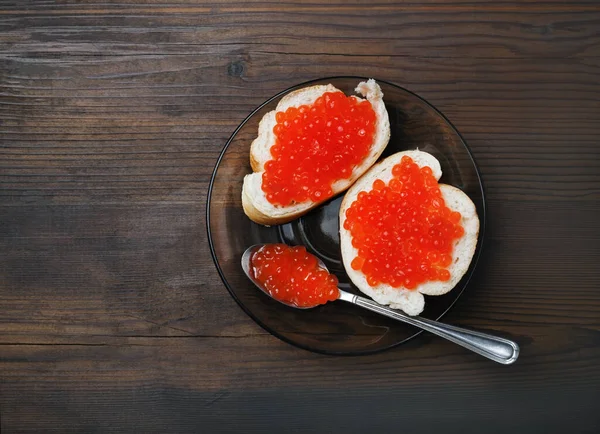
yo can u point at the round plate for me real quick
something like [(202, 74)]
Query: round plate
[(337, 327)]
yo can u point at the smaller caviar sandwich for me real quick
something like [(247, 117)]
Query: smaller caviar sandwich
[(313, 146)]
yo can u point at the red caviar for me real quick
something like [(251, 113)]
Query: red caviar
[(403, 230), (293, 276), (317, 145)]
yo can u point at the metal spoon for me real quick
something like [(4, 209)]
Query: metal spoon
[(495, 348)]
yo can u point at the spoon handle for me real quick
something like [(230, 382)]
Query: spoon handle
[(495, 348)]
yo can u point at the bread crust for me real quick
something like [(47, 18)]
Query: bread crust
[(412, 301), (254, 201)]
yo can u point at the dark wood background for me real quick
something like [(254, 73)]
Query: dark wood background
[(112, 316)]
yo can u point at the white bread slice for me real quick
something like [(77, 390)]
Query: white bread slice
[(412, 301), (256, 206)]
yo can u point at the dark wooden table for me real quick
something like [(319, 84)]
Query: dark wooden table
[(112, 316)]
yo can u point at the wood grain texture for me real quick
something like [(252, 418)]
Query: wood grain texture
[(113, 318)]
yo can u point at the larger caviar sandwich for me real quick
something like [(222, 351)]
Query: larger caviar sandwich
[(402, 234)]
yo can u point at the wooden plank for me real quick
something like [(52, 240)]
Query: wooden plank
[(191, 385)]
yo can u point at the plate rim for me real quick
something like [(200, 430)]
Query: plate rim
[(475, 260)]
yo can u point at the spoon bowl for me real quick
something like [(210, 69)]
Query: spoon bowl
[(246, 265)]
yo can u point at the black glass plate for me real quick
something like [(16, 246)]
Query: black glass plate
[(338, 327)]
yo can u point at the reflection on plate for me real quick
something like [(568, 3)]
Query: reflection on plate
[(335, 328)]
